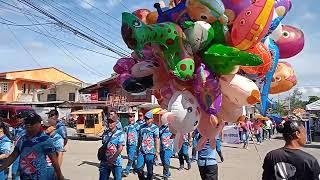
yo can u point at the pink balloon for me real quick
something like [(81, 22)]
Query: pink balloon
[(124, 65), (291, 42)]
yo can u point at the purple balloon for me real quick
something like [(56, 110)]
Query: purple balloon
[(207, 90), (287, 4), (236, 5)]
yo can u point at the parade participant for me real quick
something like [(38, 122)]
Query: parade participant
[(207, 163), (166, 149), (269, 128), (60, 127), (247, 129), (131, 131), (184, 152), (17, 133), (33, 148), (218, 147), (257, 128), (111, 160), (290, 162), (140, 120), (148, 146), (115, 117), (5, 148), (195, 137)]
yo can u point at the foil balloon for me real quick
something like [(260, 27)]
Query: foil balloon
[(198, 34), (291, 43), (283, 79), (176, 14), (268, 79), (169, 36), (282, 7), (252, 24), (223, 59), (207, 90), (262, 51), (142, 14), (209, 127), (230, 112), (124, 65), (183, 115), (239, 90), (234, 7)]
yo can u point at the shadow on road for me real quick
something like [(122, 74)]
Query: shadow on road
[(90, 163), (83, 138)]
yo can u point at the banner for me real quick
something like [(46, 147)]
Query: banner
[(231, 135)]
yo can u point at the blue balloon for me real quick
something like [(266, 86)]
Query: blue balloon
[(268, 79)]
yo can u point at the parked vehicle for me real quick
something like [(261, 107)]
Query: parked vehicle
[(8, 113), (89, 122)]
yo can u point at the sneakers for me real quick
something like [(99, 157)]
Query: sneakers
[(189, 166), (125, 174), (180, 168)]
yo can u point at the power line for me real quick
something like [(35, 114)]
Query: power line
[(11, 23), (70, 28), (25, 49), (123, 5), (77, 60)]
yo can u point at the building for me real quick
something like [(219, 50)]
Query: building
[(61, 91), (23, 85)]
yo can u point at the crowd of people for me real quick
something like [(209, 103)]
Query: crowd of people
[(35, 149), (261, 129), (146, 143)]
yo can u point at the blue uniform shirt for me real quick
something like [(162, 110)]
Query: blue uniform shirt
[(207, 156), (116, 140), (58, 141), (132, 133), (18, 132), (61, 129), (5, 146), (119, 125), (166, 143), (195, 138), (140, 123), (33, 153), (186, 138), (148, 134)]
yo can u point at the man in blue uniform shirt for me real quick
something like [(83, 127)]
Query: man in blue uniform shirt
[(115, 117), (195, 137), (166, 149), (33, 149), (53, 120), (140, 120), (113, 139), (131, 131), (5, 148), (148, 147), (207, 162), (184, 152)]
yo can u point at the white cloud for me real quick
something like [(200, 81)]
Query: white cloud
[(308, 16), (113, 3), (86, 3)]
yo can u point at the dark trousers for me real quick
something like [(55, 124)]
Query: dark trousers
[(183, 154), (209, 172)]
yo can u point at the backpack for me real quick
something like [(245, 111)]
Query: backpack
[(102, 150)]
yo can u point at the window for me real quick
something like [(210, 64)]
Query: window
[(51, 97), (24, 88), (43, 86), (72, 96), (4, 87), (4, 114)]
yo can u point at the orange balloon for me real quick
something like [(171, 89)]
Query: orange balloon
[(283, 79), (262, 51)]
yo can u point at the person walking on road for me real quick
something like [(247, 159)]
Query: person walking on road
[(114, 116), (148, 147), (166, 149), (218, 147), (184, 152), (5, 148), (33, 149), (113, 142), (268, 127), (290, 162), (131, 131), (207, 162), (195, 137)]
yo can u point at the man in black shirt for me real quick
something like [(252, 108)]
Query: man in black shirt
[(289, 162)]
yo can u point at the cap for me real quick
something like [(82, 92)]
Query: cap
[(149, 115), (53, 113), (32, 118), (110, 120)]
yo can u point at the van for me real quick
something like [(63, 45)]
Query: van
[(8, 113)]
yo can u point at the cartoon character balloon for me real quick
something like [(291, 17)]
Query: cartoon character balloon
[(183, 115), (239, 90), (252, 24), (169, 36), (207, 90), (230, 112), (262, 51), (283, 79), (234, 7), (291, 42)]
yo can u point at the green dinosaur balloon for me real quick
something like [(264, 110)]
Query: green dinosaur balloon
[(168, 36), (224, 60), (220, 30)]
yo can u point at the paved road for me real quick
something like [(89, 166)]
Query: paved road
[(80, 162)]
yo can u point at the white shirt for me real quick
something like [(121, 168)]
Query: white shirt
[(269, 124)]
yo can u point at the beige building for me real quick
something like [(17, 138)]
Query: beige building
[(61, 91)]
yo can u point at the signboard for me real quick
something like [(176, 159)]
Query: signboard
[(231, 135)]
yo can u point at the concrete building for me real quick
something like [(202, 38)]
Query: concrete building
[(23, 85)]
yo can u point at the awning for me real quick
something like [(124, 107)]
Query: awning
[(315, 106)]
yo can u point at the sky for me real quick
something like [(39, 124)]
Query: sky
[(21, 48)]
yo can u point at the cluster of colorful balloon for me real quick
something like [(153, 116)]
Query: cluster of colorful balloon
[(206, 59)]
